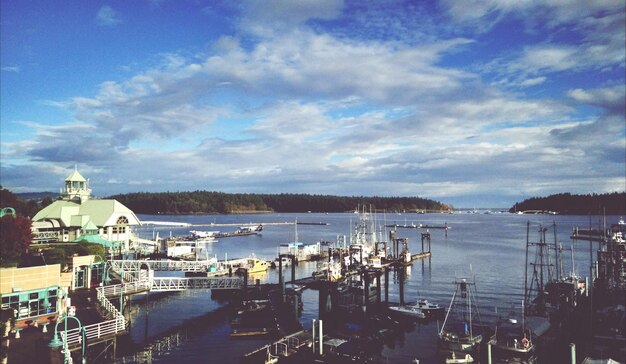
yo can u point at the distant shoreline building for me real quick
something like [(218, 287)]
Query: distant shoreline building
[(76, 216)]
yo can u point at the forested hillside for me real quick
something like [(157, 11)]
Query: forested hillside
[(199, 202), (566, 203)]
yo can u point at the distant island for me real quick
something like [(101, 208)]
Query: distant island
[(568, 204), (206, 202)]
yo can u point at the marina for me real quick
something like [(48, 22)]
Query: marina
[(362, 297)]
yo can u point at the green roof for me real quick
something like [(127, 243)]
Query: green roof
[(100, 212), (90, 228), (97, 239), (75, 176)]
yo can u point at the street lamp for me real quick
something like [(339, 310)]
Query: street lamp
[(102, 261), (56, 342)]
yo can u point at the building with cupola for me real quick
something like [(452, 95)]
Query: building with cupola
[(77, 216)]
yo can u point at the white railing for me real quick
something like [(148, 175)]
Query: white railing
[(179, 284), (94, 331), (116, 290), (115, 325), (163, 265), (129, 276)]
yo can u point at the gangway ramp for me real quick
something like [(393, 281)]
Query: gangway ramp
[(169, 284), (284, 347), (125, 289), (163, 265)]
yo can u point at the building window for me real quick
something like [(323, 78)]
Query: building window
[(122, 220), (31, 303)]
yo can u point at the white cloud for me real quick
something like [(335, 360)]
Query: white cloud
[(304, 64), (106, 16), (532, 81), (270, 16), (14, 69), (553, 12), (609, 98)]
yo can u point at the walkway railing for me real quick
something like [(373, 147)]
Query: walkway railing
[(113, 326), (94, 331), (125, 289), (180, 284), (164, 265)]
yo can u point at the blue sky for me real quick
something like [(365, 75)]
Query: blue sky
[(472, 103)]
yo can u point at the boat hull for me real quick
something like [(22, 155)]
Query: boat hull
[(407, 311), (453, 342)]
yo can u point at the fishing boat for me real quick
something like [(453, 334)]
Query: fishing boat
[(512, 339), (459, 331), (408, 310), (255, 265)]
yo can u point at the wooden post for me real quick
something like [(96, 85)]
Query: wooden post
[(321, 335), (378, 287), (401, 278), (387, 284)]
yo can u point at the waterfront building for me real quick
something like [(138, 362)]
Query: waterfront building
[(77, 216), (300, 250), (34, 294)]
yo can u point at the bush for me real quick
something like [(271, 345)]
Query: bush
[(55, 256), (92, 249)]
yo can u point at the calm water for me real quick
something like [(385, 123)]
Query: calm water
[(189, 326)]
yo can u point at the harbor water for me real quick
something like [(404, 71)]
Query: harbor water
[(190, 326)]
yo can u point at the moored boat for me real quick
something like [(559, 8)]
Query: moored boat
[(429, 308), (255, 265), (512, 339), (408, 310), (459, 331), (462, 359)]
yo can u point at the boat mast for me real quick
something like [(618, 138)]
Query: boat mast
[(526, 293), (469, 307), (449, 309), (557, 254)]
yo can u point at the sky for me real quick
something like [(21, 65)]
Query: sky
[(471, 103)]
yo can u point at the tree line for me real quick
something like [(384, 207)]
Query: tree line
[(207, 202), (568, 204)]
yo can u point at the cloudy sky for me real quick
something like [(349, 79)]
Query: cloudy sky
[(472, 103)]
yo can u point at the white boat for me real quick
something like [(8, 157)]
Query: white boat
[(283, 260), (199, 234), (453, 359), (409, 310), (459, 333), (429, 308)]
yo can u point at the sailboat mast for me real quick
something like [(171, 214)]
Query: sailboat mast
[(523, 318), (526, 294), (449, 310), (469, 306), (542, 246), (557, 253)]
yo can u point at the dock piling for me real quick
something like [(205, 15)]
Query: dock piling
[(313, 333), (401, 279), (386, 284), (321, 335)]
